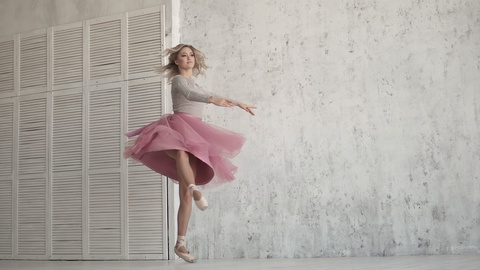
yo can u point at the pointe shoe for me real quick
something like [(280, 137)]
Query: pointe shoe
[(202, 204), (185, 256)]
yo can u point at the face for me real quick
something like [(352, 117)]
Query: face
[(185, 58)]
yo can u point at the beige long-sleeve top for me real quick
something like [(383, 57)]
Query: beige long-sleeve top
[(188, 97)]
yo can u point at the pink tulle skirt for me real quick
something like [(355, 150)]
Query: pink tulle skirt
[(212, 146)]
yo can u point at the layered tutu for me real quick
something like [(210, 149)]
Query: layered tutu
[(212, 146)]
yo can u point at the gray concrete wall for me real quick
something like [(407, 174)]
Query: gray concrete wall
[(366, 139)]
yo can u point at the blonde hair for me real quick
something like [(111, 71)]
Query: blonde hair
[(171, 69)]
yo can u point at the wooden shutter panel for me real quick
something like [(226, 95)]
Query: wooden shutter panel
[(33, 62), (65, 191), (31, 215), (31, 194), (144, 102), (32, 154), (6, 138), (144, 43), (145, 188), (105, 128), (67, 56), (67, 133), (6, 177), (67, 174), (105, 51), (7, 62), (67, 215), (145, 213), (6, 214), (104, 178), (104, 214)]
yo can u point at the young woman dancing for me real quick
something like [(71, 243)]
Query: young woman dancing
[(181, 146)]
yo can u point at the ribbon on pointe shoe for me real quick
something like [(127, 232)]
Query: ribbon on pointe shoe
[(185, 256)]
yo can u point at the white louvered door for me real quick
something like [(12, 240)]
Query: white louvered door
[(145, 39), (33, 62), (104, 179), (67, 56), (32, 177), (32, 157), (146, 207), (7, 134), (7, 64), (104, 50), (67, 174), (67, 95), (68, 123), (145, 203)]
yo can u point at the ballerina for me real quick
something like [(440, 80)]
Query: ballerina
[(181, 146)]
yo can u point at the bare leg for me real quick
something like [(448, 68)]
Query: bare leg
[(187, 168)]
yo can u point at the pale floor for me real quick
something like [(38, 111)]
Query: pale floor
[(445, 262)]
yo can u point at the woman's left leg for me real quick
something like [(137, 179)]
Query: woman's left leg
[(185, 208), (187, 170)]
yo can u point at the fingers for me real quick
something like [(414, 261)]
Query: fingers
[(249, 109)]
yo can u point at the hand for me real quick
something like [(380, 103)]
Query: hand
[(247, 108), (221, 102)]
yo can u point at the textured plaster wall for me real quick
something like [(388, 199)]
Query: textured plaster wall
[(366, 139)]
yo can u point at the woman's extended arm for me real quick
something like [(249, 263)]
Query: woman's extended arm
[(180, 83)]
